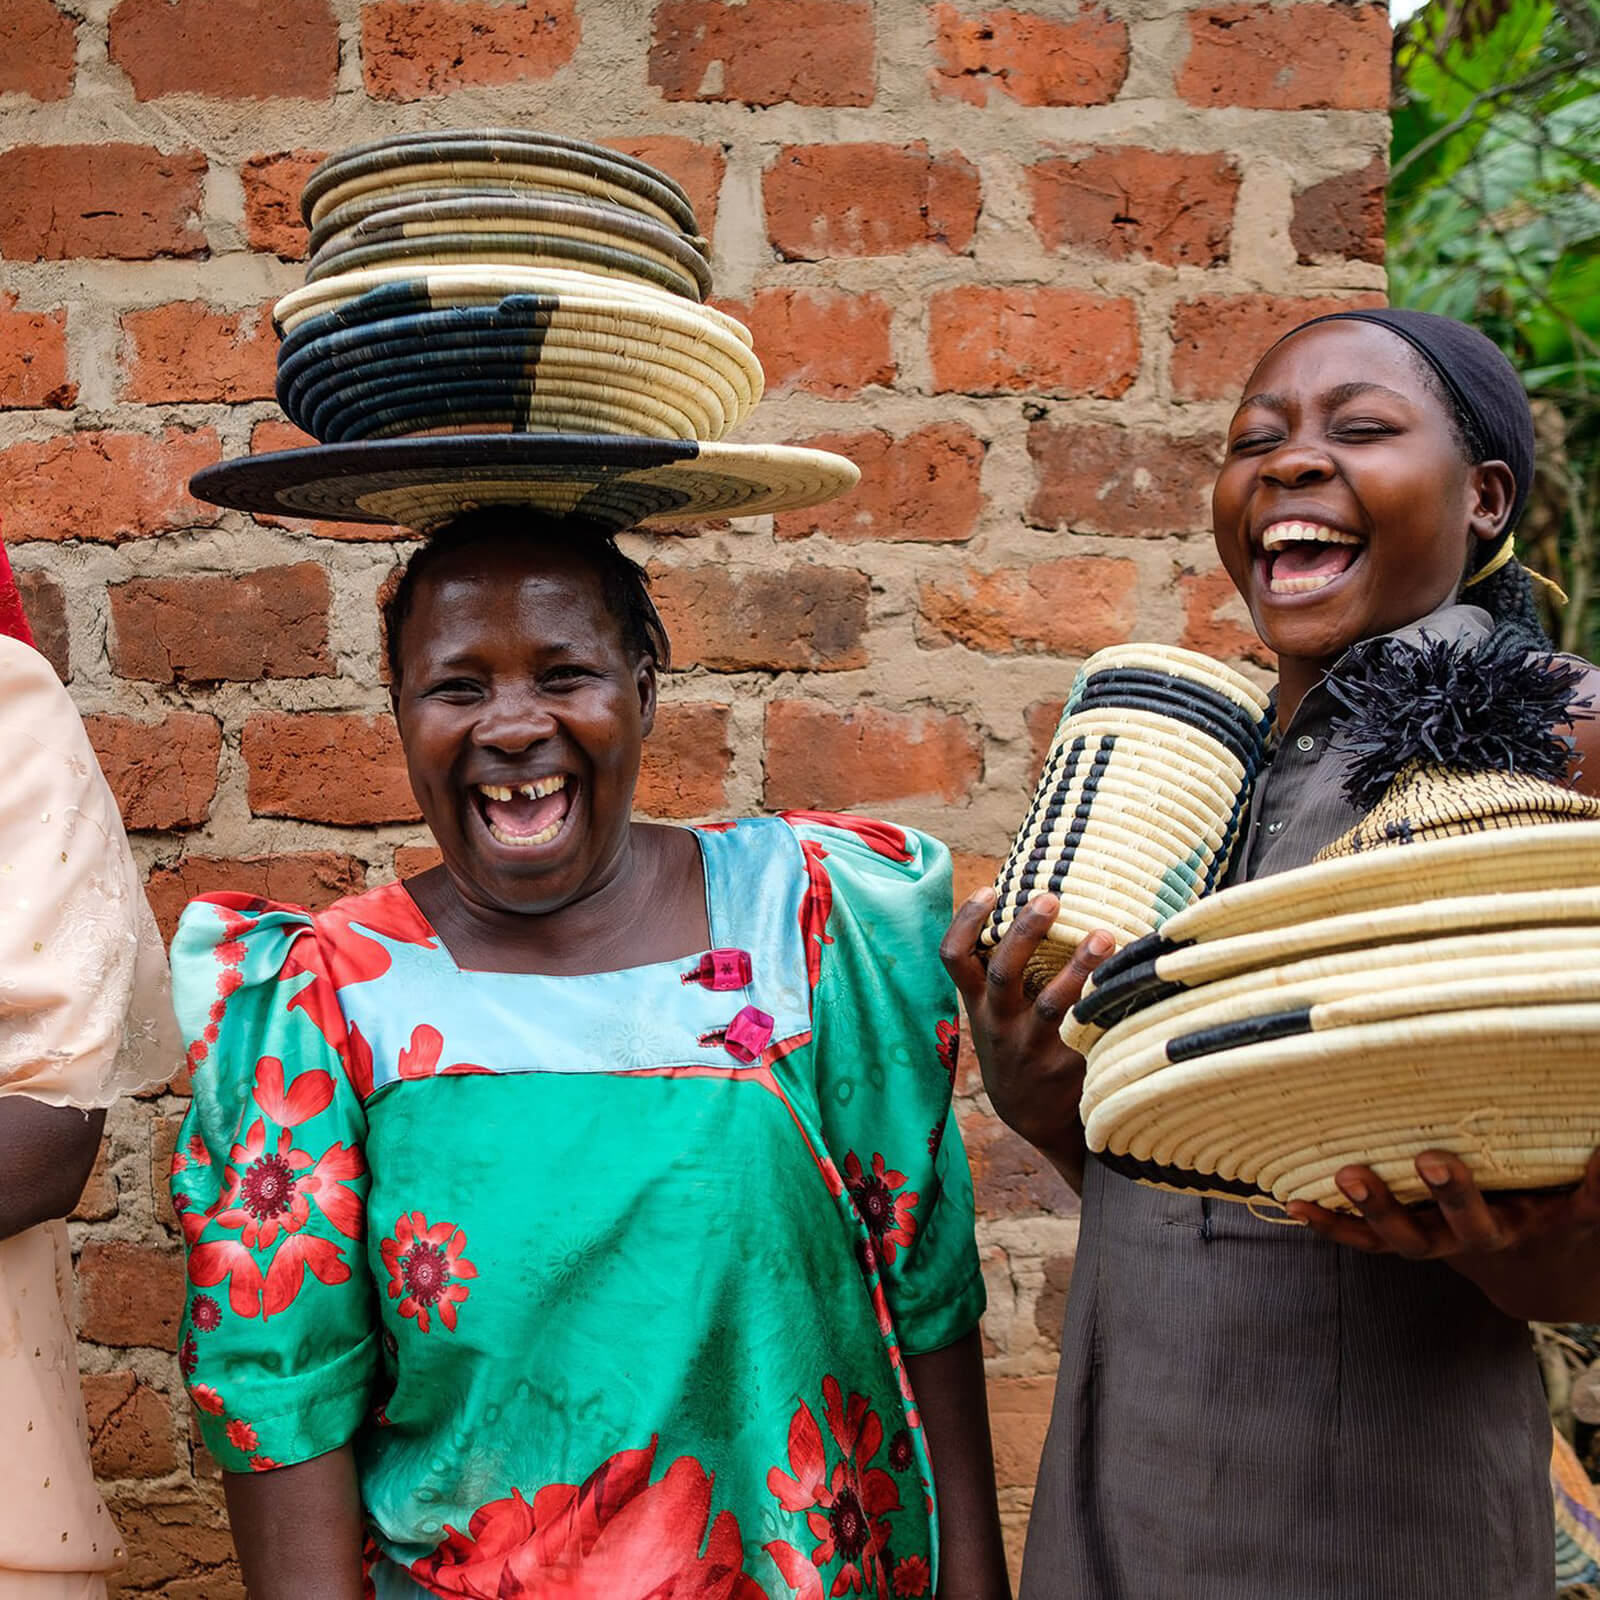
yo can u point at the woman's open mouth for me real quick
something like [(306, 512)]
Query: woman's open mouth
[(1302, 557), (523, 815)]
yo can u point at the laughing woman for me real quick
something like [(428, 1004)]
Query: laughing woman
[(1245, 1410), (582, 1218)]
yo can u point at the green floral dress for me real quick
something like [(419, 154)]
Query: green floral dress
[(609, 1278)]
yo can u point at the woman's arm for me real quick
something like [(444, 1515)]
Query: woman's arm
[(298, 1529), (46, 1153), (1034, 1081), (950, 1393)]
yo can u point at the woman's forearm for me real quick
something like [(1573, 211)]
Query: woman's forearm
[(46, 1155), (298, 1529), (951, 1396)]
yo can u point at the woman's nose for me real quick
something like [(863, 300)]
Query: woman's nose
[(514, 722), (1295, 463)]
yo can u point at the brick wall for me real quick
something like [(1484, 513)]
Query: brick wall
[(1015, 261)]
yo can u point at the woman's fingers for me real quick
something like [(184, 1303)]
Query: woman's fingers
[(1460, 1201), (1394, 1227), (1016, 949), (959, 947), (1064, 991)]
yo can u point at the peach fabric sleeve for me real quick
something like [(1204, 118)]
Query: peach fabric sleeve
[(85, 1002)]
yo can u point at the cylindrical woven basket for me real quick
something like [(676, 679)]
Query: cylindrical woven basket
[(1138, 805)]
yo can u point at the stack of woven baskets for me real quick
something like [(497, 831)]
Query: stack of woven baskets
[(1431, 981), (1137, 810), (494, 281)]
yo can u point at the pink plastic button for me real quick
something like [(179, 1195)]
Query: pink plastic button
[(748, 1034), (721, 969)]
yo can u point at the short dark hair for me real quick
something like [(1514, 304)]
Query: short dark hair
[(624, 584)]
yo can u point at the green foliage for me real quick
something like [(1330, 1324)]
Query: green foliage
[(1494, 217)]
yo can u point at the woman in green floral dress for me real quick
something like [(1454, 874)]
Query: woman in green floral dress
[(583, 1217)]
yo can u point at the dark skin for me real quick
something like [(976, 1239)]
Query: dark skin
[(46, 1154), (1340, 428), (513, 671)]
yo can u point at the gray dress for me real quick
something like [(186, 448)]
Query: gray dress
[(1246, 1412)]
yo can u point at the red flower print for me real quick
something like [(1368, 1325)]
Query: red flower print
[(797, 1570), (845, 1509), (615, 1534), (425, 1265), (420, 1058), (948, 1034), (249, 1291), (886, 1214), (267, 1464), (206, 1398), (198, 1153), (242, 1436), (272, 1189), (882, 838), (816, 906), (188, 1355), (911, 1576), (205, 1314), (901, 1455)]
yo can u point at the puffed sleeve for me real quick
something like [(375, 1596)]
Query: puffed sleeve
[(279, 1345), (884, 1019)]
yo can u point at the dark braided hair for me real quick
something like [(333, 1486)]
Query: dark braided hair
[(1506, 594), (624, 585)]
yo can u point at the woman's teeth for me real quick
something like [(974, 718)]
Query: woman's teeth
[(1301, 556), (518, 805)]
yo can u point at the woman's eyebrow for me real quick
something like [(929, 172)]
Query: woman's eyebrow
[(1353, 391)]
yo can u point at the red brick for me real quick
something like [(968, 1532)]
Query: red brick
[(1157, 205), (1218, 339), (1035, 60), (697, 167), (868, 200), (130, 1294), (190, 351), (804, 619), (1288, 58), (820, 341), (410, 859), (125, 201), (1068, 607), (1215, 620), (99, 1200), (1050, 1309), (764, 52), (33, 359), (309, 878), (272, 623), (178, 1549), (38, 43), (105, 487), (1019, 1418), (1099, 478), (327, 767), (820, 758), (227, 49), (413, 49), (275, 435), (1051, 341), (163, 774), (1342, 218), (46, 609), (272, 185), (1041, 718), (1009, 1177), (163, 1145), (686, 762), (921, 488), (130, 1427)]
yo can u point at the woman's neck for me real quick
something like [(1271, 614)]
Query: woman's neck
[(1297, 677), (648, 906)]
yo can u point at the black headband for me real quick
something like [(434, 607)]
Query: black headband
[(1477, 376)]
